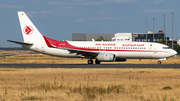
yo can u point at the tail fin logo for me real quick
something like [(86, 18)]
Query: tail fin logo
[(28, 30)]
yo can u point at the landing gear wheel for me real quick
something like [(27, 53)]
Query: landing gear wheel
[(159, 62), (90, 61), (97, 62)]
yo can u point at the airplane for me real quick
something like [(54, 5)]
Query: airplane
[(101, 51)]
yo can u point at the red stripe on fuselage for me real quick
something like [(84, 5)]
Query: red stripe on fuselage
[(65, 44)]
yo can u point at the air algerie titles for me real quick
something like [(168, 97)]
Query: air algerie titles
[(110, 44)]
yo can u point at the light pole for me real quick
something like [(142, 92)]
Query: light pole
[(153, 29), (164, 31), (172, 29), (164, 27), (146, 30)]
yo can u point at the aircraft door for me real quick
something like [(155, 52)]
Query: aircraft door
[(43, 48), (155, 47)]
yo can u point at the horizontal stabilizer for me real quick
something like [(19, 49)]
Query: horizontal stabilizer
[(21, 43)]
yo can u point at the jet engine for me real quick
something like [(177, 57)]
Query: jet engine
[(107, 57)]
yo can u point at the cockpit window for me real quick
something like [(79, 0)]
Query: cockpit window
[(166, 48)]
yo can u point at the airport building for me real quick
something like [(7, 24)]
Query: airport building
[(142, 37), (178, 41), (90, 36), (138, 37)]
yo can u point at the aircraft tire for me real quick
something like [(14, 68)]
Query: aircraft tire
[(97, 62), (90, 61), (159, 62)]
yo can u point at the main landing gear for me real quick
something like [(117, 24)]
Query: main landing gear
[(91, 61), (159, 62), (97, 62)]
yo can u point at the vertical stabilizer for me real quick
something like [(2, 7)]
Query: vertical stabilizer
[(29, 31)]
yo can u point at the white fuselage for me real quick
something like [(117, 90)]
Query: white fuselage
[(124, 50), (101, 51)]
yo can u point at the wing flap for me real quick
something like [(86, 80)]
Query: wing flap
[(81, 52)]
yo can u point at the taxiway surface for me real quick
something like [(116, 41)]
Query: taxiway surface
[(89, 66)]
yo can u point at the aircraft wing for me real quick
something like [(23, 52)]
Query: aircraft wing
[(84, 53)]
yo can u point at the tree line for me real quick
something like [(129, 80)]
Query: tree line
[(175, 47)]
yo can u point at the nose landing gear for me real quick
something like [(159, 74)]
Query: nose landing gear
[(159, 62)]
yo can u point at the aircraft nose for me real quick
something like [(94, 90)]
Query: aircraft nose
[(174, 52)]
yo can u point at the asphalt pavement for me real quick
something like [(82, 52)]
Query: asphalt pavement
[(89, 66)]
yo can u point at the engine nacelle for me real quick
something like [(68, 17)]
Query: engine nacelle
[(107, 57)]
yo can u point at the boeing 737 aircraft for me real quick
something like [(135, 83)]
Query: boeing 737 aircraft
[(101, 51)]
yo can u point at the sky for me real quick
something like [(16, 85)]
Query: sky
[(58, 19)]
